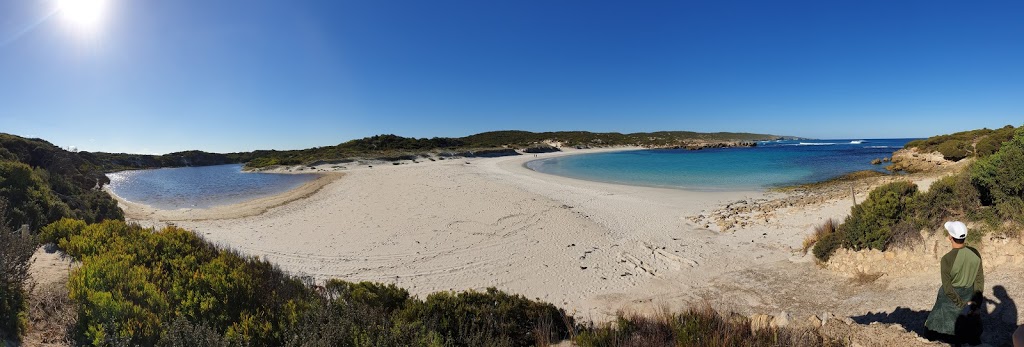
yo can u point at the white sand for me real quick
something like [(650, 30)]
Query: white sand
[(592, 248)]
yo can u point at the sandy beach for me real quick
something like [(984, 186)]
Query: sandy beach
[(593, 248)]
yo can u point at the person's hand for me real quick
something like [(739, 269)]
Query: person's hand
[(968, 309)]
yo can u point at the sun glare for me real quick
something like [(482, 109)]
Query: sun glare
[(85, 16)]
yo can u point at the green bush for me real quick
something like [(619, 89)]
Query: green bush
[(991, 143), (29, 197), (491, 317), (949, 198), (386, 297), (954, 150), (182, 333), (61, 184), (870, 224), (999, 180), (60, 230), (826, 245)]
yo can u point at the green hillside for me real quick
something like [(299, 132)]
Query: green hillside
[(394, 147)]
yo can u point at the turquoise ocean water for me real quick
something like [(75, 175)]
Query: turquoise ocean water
[(770, 164), (200, 187)]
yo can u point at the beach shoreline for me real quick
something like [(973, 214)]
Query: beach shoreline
[(138, 212)]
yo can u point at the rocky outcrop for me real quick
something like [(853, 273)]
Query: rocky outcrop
[(541, 149), (703, 145), (911, 160), (695, 146), (846, 329), (489, 153), (923, 256)]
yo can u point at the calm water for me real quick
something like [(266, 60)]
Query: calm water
[(770, 164), (200, 187)]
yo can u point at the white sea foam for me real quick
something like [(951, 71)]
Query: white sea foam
[(879, 147), (816, 143), (857, 142)]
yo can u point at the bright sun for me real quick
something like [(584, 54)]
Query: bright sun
[(84, 15)]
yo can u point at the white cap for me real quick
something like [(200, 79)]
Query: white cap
[(956, 229)]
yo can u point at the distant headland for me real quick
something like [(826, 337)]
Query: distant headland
[(393, 147)]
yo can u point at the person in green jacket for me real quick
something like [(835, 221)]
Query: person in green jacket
[(963, 280)]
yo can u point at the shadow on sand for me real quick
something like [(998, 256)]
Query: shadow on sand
[(999, 318)]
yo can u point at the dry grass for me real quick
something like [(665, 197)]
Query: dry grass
[(861, 278), (695, 327), (828, 227), (52, 316)]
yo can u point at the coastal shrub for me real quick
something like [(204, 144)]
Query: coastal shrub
[(61, 183), (954, 150), (950, 198), (141, 286), (15, 253), (827, 245), (821, 230), (182, 333), (29, 198), (60, 230), (999, 180), (870, 223), (486, 318), (991, 143), (386, 297)]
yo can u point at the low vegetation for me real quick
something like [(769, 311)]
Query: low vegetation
[(42, 183), (974, 143), (821, 231), (695, 327), (850, 177), (990, 194), (140, 286)]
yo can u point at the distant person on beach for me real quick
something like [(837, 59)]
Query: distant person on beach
[(955, 313)]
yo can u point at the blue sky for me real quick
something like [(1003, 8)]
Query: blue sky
[(158, 76)]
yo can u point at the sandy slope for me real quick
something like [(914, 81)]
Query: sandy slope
[(591, 247)]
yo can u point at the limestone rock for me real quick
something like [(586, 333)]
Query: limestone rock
[(782, 320), (827, 316), (814, 321)]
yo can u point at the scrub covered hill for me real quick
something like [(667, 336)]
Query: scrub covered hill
[(977, 143), (393, 147), (41, 183)]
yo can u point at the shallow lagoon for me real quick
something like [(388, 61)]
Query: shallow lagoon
[(200, 187)]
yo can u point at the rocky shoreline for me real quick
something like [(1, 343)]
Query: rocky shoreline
[(911, 163)]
